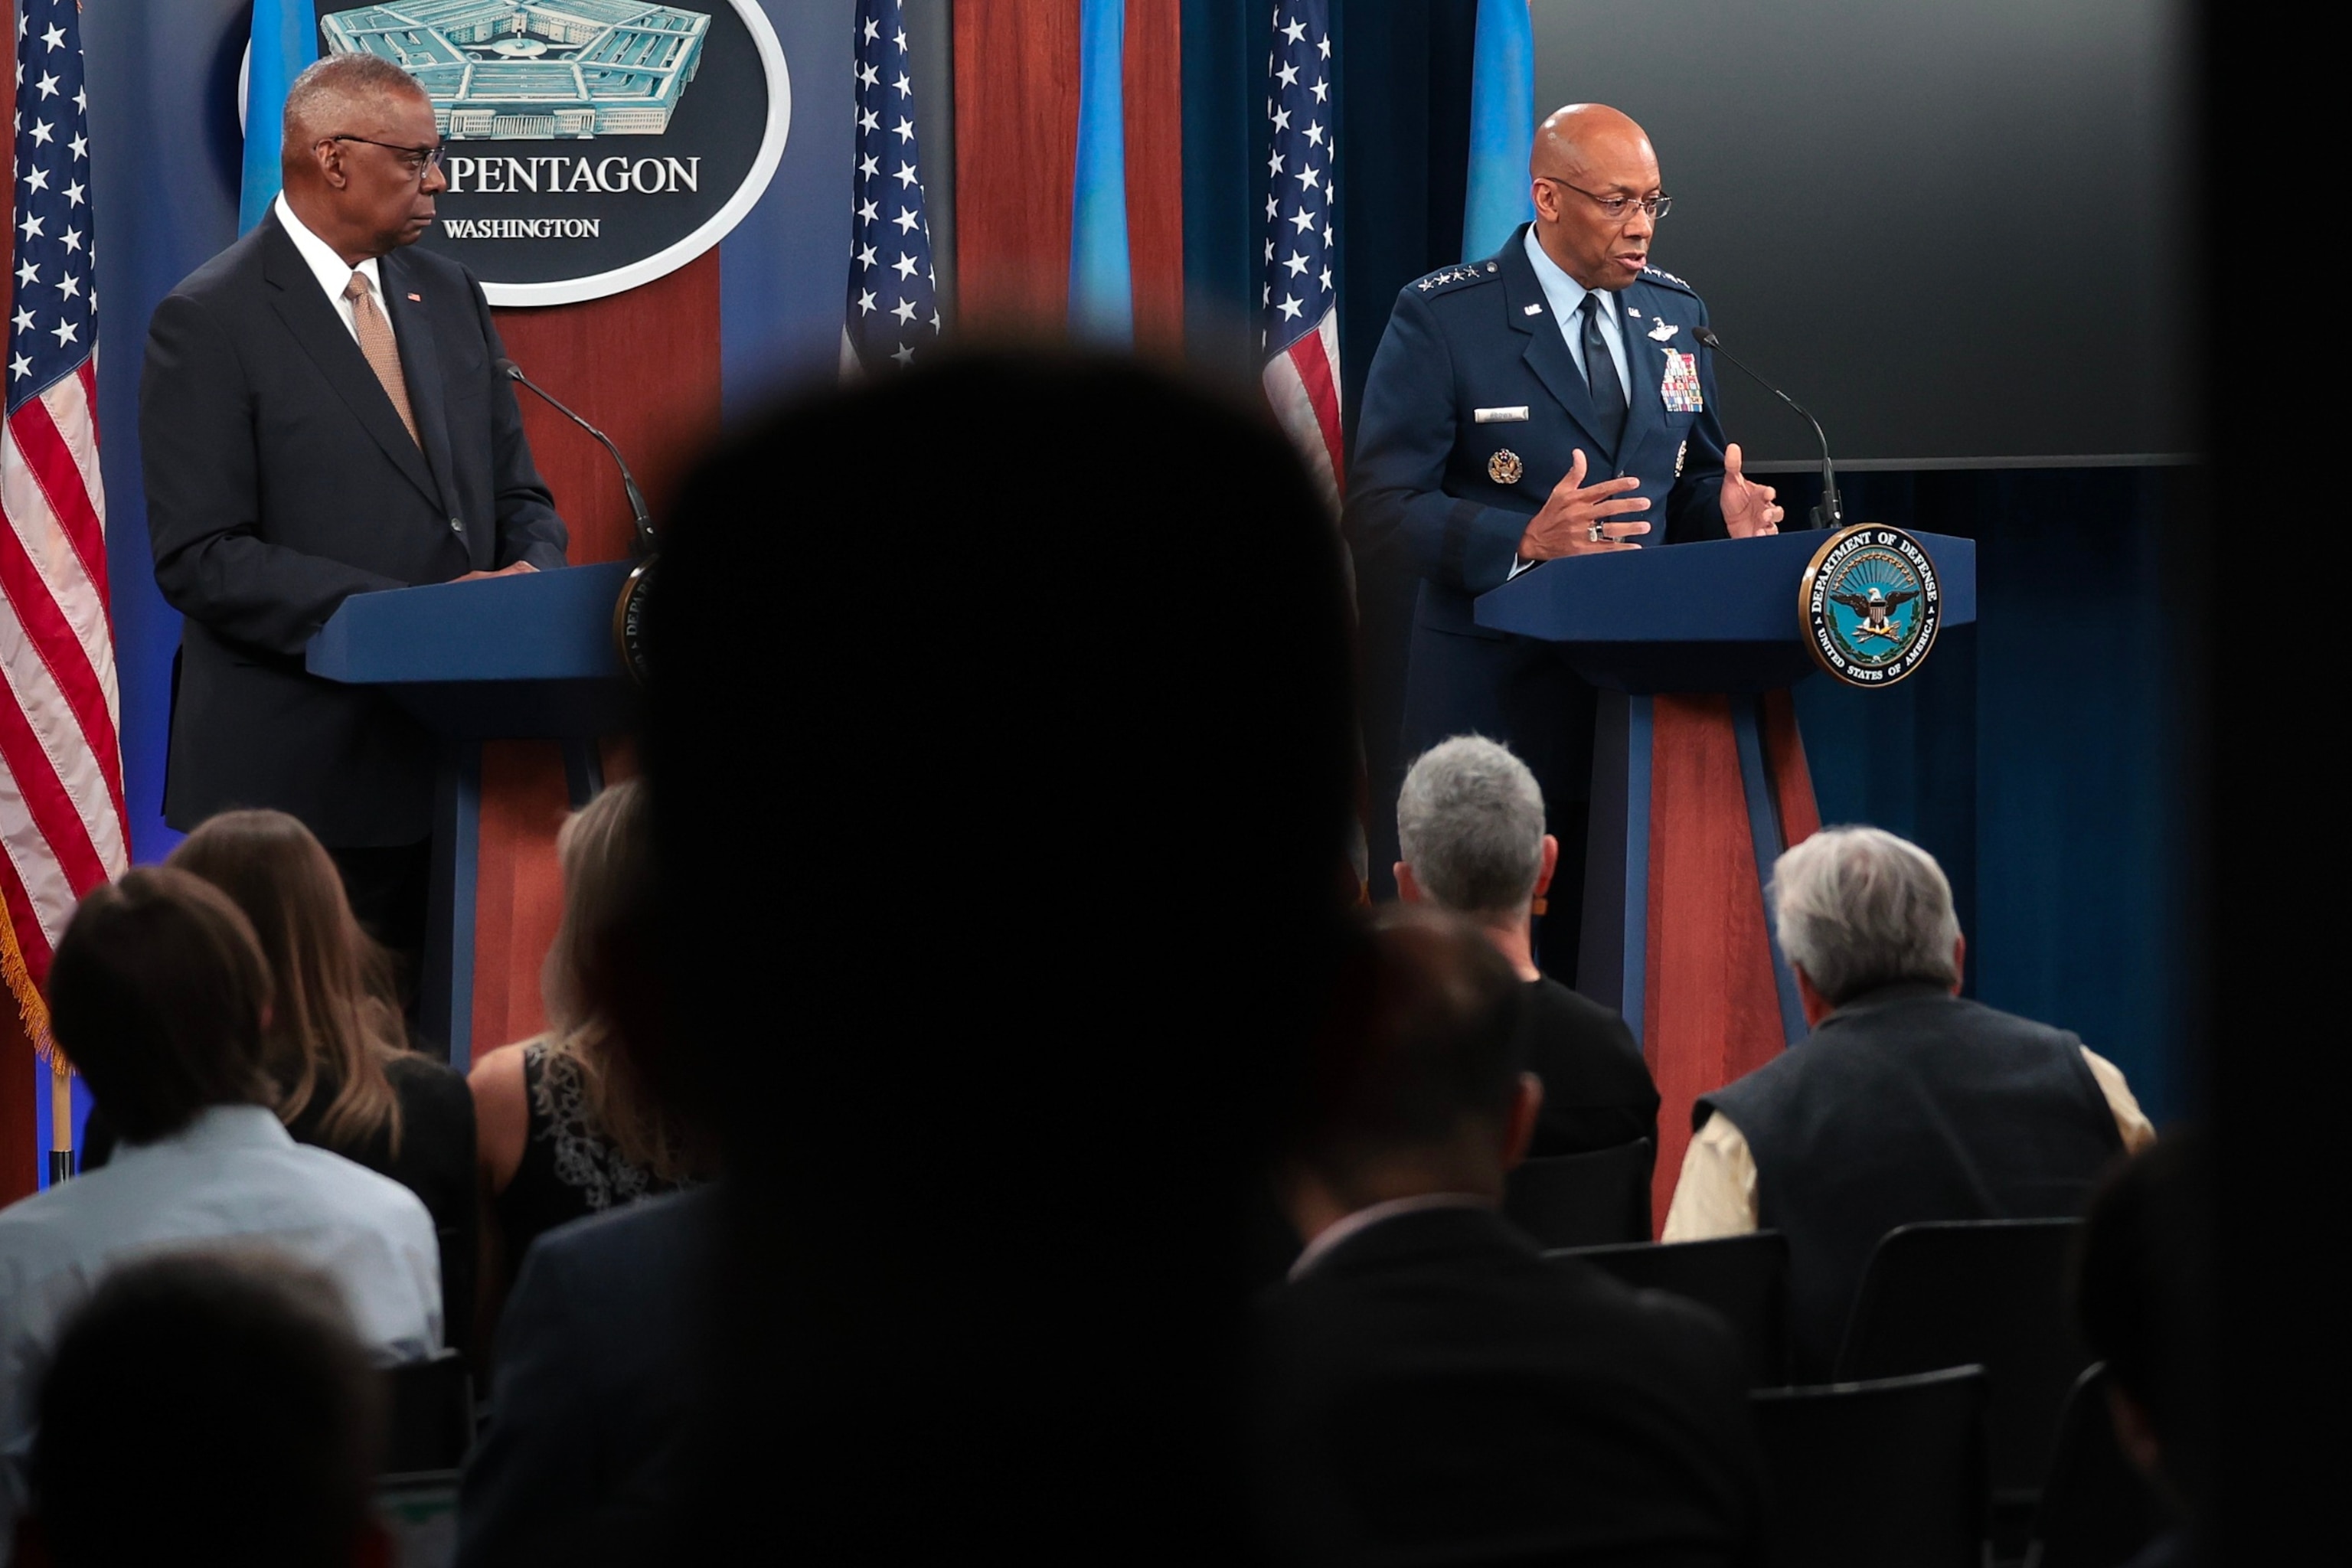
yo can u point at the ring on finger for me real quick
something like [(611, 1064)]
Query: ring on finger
[(1596, 534)]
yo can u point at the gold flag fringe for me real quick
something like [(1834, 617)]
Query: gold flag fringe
[(32, 1009)]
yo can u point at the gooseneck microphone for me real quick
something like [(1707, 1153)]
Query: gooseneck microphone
[(513, 372), (1830, 513)]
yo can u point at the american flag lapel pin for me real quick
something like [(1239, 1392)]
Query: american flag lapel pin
[(419, 299)]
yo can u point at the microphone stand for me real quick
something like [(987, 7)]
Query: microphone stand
[(645, 523), (1830, 513)]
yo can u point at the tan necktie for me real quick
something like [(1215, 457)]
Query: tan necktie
[(382, 354)]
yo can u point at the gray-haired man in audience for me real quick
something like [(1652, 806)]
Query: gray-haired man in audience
[(1906, 1104), (1470, 820)]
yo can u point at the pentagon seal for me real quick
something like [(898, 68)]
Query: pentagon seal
[(1870, 604), (1505, 467)]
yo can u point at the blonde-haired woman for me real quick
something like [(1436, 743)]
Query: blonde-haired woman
[(334, 1043), (568, 1125)]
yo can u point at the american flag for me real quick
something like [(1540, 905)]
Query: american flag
[(1299, 305), (61, 818), (894, 308)]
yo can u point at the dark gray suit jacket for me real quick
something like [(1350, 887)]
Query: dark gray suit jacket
[(279, 481), (597, 1384)]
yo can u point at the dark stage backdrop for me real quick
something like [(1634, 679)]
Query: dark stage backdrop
[(1953, 228)]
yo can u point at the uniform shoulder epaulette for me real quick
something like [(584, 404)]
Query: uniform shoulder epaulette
[(1446, 277), (1659, 275)]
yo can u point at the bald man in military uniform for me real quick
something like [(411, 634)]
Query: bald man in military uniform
[(1544, 402)]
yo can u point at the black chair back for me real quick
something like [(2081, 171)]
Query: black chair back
[(1987, 1291), (1583, 1200), (1865, 1475), (1743, 1279), (429, 1406), (2096, 1510)]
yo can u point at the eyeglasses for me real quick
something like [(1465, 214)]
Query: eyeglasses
[(416, 160), (1616, 208)]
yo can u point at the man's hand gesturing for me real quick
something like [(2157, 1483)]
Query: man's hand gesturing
[(1576, 513), (1748, 508)]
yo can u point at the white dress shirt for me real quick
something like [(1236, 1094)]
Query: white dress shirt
[(1566, 297), (232, 1174), (333, 273)]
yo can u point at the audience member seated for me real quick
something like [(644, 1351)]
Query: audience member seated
[(2143, 1295), (335, 1043), (158, 994), (205, 1408), (1908, 1103), (566, 1126), (1432, 1389), (1470, 821), (599, 1367), (598, 1376)]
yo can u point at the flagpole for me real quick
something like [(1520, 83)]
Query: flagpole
[(61, 1128)]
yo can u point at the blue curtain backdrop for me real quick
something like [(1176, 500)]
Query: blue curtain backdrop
[(2038, 753)]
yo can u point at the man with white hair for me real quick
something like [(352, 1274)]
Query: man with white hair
[(1470, 821), (1906, 1104)]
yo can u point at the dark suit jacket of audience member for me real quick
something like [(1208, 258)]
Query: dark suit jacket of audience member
[(1907, 1105), (435, 1162), (280, 481), (1598, 1092), (597, 1382), (1434, 1392)]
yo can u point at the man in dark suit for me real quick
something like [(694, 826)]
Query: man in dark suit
[(1470, 820), (598, 1380), (319, 417), (1544, 403), (1431, 1388)]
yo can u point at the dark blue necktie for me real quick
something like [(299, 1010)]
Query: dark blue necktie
[(1600, 376)]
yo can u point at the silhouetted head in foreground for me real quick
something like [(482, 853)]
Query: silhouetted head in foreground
[(1000, 747), (1418, 1085), (209, 1408)]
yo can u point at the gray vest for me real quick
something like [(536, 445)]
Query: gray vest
[(1909, 1104)]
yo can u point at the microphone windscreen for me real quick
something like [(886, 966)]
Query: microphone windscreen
[(1704, 336), (507, 368)]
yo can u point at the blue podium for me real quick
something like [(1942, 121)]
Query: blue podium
[(1699, 783), (525, 658)]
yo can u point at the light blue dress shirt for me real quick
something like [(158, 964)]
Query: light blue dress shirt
[(233, 1176), (1566, 297)]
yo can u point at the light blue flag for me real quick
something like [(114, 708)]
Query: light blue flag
[(1102, 288), (1502, 128), (285, 39)]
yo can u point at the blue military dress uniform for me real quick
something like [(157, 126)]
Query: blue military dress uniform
[(1451, 493)]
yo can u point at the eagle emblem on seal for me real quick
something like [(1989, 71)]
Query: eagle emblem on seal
[(1505, 467), (1874, 607)]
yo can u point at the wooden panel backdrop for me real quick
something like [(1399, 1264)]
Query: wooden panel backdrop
[(1016, 117), (1712, 1007), (643, 367)]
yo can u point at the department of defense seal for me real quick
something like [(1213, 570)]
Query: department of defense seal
[(1870, 604), (1505, 467), (629, 620)]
